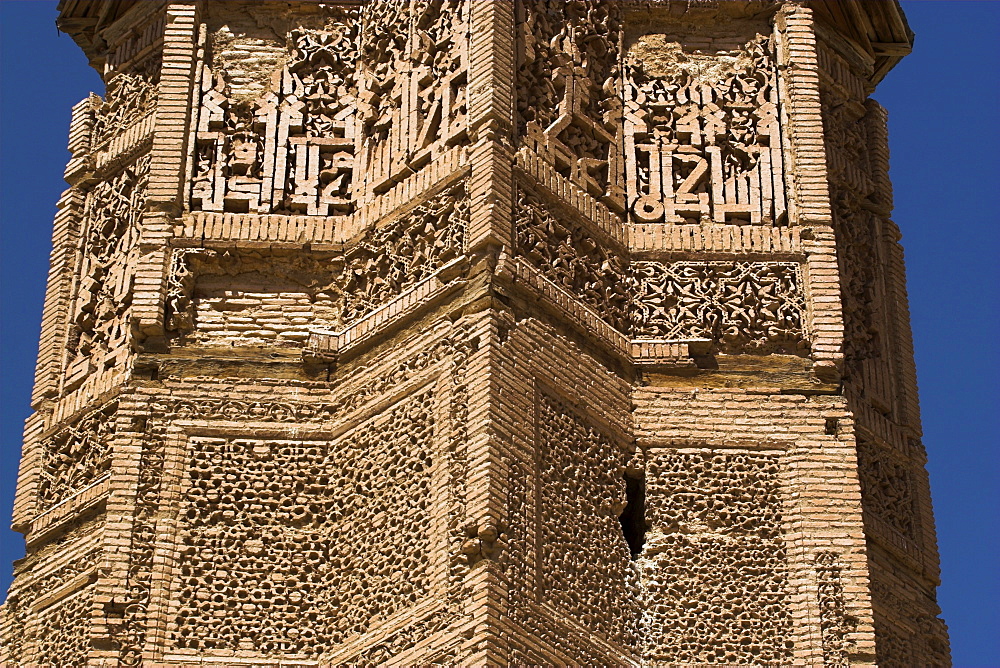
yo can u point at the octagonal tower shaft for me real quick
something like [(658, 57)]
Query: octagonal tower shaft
[(494, 332)]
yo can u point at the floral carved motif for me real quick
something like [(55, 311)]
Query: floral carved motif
[(129, 98), (77, 456), (130, 637), (887, 487), (99, 325), (132, 75), (836, 624), (742, 306), (392, 258), (180, 287), (569, 255)]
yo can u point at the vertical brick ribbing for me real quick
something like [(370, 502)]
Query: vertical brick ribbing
[(908, 413), (904, 379), (65, 250), (825, 471), (491, 94), (166, 181), (809, 199), (27, 473), (112, 589), (166, 178), (55, 323), (491, 91), (62, 260)]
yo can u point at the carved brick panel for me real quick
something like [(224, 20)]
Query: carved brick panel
[(64, 631), (308, 541), (132, 75), (907, 632), (568, 89), (85, 562), (129, 624), (275, 296), (289, 147), (856, 201), (714, 566), (742, 306), (99, 327), (252, 296), (63, 595), (888, 489), (129, 98), (413, 101), (392, 258), (702, 133), (583, 560), (566, 252), (836, 624), (76, 456)]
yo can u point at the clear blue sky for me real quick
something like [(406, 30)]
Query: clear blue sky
[(943, 105)]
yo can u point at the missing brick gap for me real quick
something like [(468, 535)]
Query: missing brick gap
[(633, 518)]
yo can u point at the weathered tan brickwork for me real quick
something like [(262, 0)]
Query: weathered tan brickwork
[(506, 332)]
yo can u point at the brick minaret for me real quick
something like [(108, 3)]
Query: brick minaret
[(493, 332)]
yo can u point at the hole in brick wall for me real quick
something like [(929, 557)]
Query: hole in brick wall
[(832, 425), (633, 518), (236, 206)]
